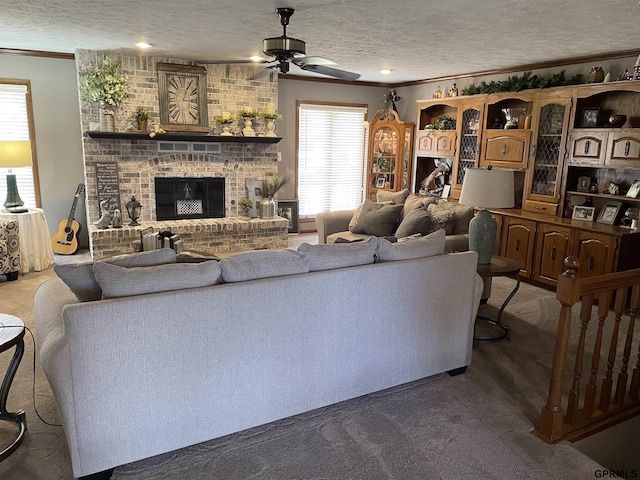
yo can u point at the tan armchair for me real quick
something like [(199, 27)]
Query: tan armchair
[(9, 249)]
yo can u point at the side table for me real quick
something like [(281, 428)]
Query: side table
[(35, 241), (11, 334), (498, 267)]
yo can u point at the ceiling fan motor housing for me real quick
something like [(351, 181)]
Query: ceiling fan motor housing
[(283, 47)]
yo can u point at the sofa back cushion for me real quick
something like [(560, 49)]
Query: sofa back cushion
[(428, 246), (462, 216), (425, 221), (414, 201), (116, 281), (340, 255), (378, 219), (263, 264), (82, 282), (397, 198)]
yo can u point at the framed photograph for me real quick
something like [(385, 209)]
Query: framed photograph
[(590, 117), (609, 213), (446, 190), (583, 213), (380, 182), (253, 191), (289, 209), (634, 189), (583, 184)]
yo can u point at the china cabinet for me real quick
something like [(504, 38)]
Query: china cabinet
[(469, 126), (390, 148)]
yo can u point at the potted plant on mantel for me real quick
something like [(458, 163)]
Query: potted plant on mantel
[(226, 120), (270, 117), (244, 205), (270, 187), (105, 85), (141, 118), (248, 115)]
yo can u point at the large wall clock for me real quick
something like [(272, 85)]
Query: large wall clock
[(182, 93)]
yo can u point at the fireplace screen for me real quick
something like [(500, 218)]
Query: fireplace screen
[(189, 198)]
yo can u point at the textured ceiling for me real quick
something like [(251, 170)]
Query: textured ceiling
[(417, 39)]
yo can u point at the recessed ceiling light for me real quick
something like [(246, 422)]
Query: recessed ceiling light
[(386, 71), (143, 45), (255, 58)]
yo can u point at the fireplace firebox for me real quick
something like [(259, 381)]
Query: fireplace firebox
[(189, 198)]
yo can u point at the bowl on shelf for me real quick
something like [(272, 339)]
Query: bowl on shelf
[(617, 120)]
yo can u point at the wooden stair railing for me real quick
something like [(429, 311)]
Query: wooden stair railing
[(592, 409)]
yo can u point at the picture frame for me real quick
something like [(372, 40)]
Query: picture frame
[(446, 190), (634, 189), (182, 97), (380, 182), (590, 117), (583, 184), (609, 213), (253, 191), (289, 209), (581, 212)]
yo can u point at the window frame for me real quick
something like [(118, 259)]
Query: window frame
[(32, 134), (299, 103)]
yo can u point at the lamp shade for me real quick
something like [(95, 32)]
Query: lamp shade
[(15, 153), (488, 188)]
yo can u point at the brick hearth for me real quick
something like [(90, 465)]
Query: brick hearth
[(216, 236)]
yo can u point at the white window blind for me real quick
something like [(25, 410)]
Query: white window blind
[(14, 125), (331, 158)]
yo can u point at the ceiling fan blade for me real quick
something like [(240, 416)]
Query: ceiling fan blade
[(313, 61), (230, 62), (332, 72), (262, 73)]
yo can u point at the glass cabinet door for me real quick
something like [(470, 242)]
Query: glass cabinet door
[(383, 167), (549, 150), (468, 150)]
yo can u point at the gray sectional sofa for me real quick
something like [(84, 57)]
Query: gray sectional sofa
[(163, 356)]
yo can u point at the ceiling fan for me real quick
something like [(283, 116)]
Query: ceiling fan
[(286, 50)]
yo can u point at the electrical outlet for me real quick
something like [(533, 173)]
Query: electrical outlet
[(279, 156)]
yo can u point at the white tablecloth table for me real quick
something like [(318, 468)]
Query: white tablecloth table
[(35, 241)]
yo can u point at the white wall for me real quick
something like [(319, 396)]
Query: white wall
[(290, 91), (56, 114)]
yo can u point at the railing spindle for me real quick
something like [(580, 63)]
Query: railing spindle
[(604, 300), (574, 393), (621, 386), (607, 383)]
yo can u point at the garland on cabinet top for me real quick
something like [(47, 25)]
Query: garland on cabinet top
[(525, 81)]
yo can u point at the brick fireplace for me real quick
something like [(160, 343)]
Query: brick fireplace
[(136, 163)]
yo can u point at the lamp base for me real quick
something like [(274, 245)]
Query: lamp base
[(13, 198), (482, 235)]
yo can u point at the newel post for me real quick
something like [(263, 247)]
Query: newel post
[(567, 293)]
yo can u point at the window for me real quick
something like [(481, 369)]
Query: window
[(16, 126), (331, 157)]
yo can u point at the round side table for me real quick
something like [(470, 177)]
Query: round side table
[(11, 335), (498, 267)]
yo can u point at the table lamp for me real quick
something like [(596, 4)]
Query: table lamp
[(14, 154), (486, 188)]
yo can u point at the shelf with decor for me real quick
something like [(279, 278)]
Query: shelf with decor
[(608, 196), (181, 137)]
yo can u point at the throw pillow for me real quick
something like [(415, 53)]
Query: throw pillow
[(358, 211), (462, 215), (377, 219), (414, 201), (425, 221), (340, 255), (82, 282), (116, 281), (443, 216), (263, 264), (428, 246), (397, 198)]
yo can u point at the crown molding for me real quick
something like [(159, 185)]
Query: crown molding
[(36, 53)]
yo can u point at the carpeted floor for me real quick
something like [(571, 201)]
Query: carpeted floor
[(475, 425)]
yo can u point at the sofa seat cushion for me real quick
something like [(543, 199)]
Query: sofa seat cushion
[(428, 246), (116, 281), (378, 219), (82, 282), (346, 236), (263, 264), (340, 255)]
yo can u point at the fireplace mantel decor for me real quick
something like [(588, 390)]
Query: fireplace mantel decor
[(180, 137)]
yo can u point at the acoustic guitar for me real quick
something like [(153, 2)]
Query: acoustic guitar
[(65, 240)]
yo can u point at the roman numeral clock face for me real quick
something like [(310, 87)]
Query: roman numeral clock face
[(182, 96)]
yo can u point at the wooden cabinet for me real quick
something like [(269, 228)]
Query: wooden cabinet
[(470, 119), (596, 253), (389, 159), (623, 149), (506, 149), (436, 143), (552, 247), (517, 242), (588, 147)]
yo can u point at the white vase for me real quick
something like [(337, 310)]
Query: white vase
[(247, 131), (226, 131), (271, 126)]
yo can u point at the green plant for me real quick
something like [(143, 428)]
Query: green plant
[(245, 204), (248, 113), (271, 185), (225, 120), (445, 122), (105, 83), (526, 81), (141, 115), (273, 116)]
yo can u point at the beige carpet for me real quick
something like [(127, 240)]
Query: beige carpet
[(475, 425)]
